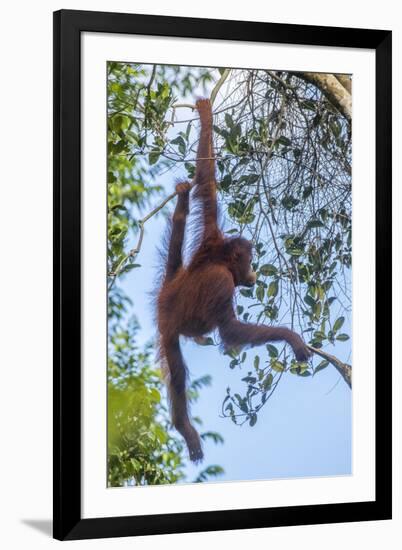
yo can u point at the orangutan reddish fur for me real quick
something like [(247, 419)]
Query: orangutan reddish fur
[(196, 299)]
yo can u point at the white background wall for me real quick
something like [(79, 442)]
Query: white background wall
[(26, 272)]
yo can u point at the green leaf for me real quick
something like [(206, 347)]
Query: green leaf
[(309, 300), (235, 132), (119, 146), (289, 202), (249, 379), (273, 352), (268, 270), (221, 131), (317, 309), (253, 420), (179, 141), (155, 395), (190, 170), (283, 140), (153, 157), (308, 104), (226, 182), (273, 288), (342, 337), (338, 323), (277, 366), (321, 366), (314, 223), (129, 267), (247, 293), (335, 127), (260, 293), (295, 251), (316, 343), (228, 120), (252, 178), (268, 382), (302, 367), (111, 178)]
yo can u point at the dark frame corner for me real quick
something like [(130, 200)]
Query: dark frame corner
[(68, 26)]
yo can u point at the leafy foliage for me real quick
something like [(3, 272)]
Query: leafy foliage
[(142, 447), (284, 176)]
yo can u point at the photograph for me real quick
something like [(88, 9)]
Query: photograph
[(229, 274), (201, 321)]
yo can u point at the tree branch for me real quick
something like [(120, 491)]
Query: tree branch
[(346, 81), (219, 84), (134, 251), (333, 90), (185, 105), (214, 92), (344, 369)]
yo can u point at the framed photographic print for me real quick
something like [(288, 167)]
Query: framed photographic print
[(222, 265)]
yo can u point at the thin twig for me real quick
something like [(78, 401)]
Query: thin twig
[(214, 92), (134, 251), (219, 85), (187, 105)]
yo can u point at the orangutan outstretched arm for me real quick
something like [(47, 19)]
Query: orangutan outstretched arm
[(235, 333), (205, 183)]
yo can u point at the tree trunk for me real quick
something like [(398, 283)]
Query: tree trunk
[(346, 81), (336, 93)]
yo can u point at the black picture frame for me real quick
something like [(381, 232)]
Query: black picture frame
[(68, 26)]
